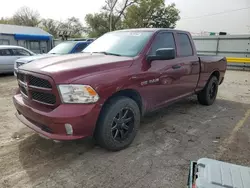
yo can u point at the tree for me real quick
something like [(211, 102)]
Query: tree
[(116, 10), (165, 17), (27, 17), (151, 13), (73, 25), (109, 19), (99, 24), (51, 26)]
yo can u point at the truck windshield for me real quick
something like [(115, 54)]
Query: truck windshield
[(63, 48), (121, 43)]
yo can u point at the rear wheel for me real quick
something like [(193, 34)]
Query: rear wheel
[(208, 95), (118, 124)]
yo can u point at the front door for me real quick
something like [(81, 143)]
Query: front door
[(170, 79)]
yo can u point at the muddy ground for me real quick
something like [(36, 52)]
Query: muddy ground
[(159, 156)]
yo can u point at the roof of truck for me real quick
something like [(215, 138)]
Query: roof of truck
[(151, 29)]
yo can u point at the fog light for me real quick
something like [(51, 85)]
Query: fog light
[(69, 129)]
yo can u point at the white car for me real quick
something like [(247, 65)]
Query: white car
[(8, 56)]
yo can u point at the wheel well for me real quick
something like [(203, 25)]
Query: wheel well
[(130, 93), (216, 74)]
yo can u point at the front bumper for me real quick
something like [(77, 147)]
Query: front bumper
[(51, 123)]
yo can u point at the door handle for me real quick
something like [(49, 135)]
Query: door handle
[(176, 66)]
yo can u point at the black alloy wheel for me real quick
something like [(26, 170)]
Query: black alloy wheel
[(122, 125)]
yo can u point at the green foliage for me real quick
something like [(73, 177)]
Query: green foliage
[(132, 14), (151, 13), (139, 14), (165, 17), (99, 24)]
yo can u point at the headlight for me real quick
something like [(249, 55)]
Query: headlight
[(78, 94)]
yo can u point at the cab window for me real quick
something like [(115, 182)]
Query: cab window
[(162, 40)]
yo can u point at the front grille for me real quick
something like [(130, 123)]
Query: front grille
[(43, 97), (43, 92), (23, 90), (39, 82), (21, 76)]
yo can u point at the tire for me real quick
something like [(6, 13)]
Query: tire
[(118, 124), (208, 95)]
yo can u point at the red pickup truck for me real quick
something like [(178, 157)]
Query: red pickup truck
[(104, 91)]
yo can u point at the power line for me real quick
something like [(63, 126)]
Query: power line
[(206, 15)]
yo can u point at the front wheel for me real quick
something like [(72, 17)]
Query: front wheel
[(208, 95), (118, 124)]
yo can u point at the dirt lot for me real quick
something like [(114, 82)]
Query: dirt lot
[(159, 157)]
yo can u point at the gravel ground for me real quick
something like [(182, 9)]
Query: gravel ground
[(159, 156)]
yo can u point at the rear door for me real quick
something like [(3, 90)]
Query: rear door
[(6, 60), (188, 61)]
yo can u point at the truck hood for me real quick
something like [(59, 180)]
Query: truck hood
[(35, 57), (67, 68)]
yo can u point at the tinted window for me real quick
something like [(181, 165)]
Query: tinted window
[(124, 43), (185, 45), (5, 52), (80, 47), (20, 52), (162, 40)]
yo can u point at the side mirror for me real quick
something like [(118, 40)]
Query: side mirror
[(162, 54)]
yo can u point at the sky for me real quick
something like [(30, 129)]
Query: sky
[(196, 15)]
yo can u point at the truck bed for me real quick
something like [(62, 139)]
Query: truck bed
[(209, 64)]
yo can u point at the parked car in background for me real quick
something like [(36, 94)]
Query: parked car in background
[(63, 48), (83, 39), (121, 76), (91, 39), (8, 56)]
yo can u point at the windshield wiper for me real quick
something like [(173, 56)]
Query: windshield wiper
[(107, 53)]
